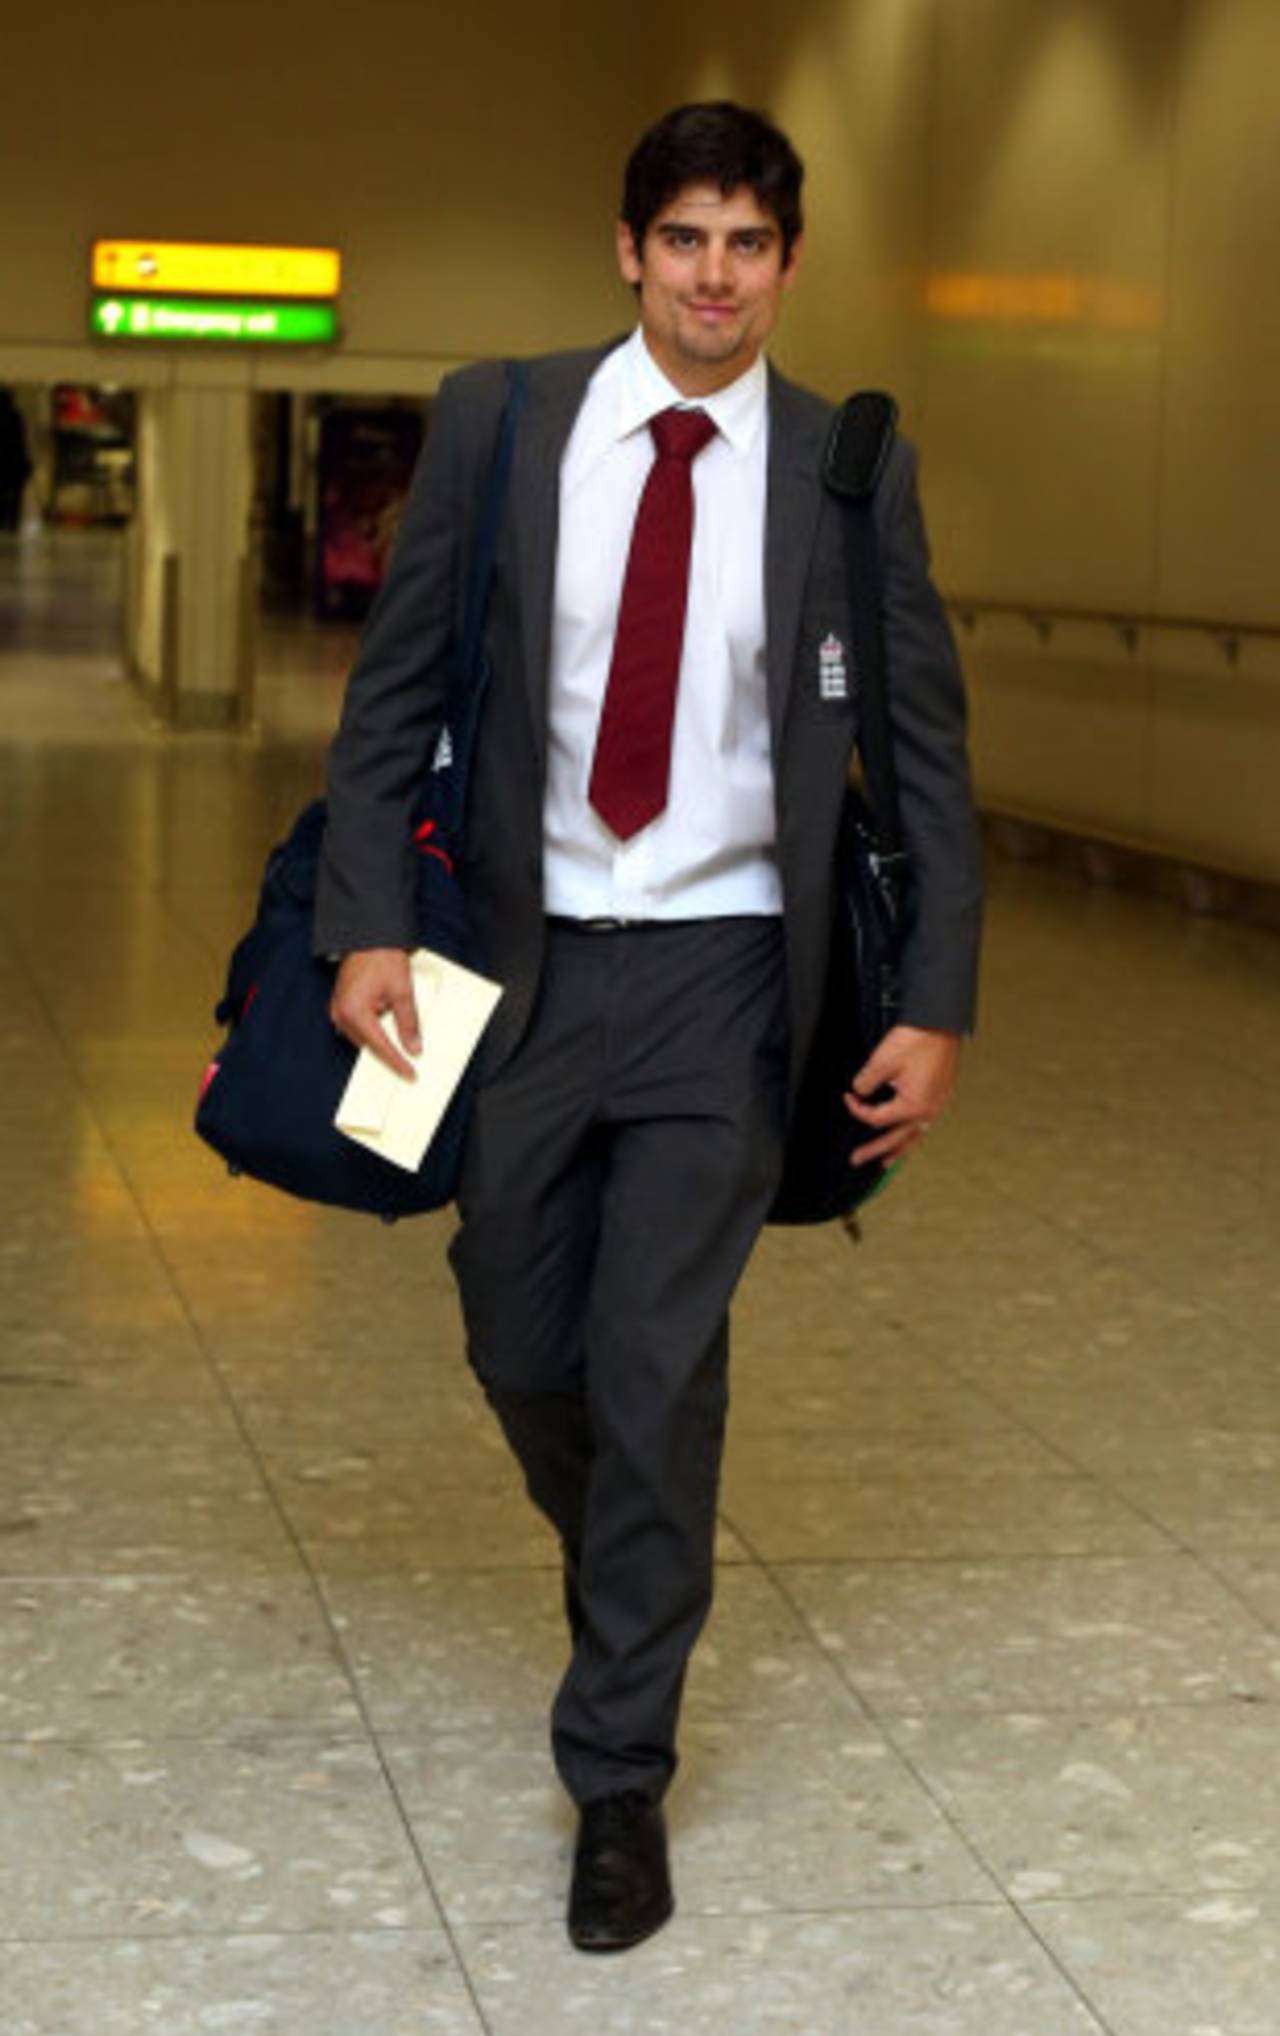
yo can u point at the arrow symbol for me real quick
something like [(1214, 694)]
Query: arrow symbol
[(112, 315)]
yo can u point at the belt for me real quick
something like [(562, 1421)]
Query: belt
[(603, 925), (606, 924)]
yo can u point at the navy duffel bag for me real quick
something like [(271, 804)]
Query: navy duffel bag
[(270, 1094)]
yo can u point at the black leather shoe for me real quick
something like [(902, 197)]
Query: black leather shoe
[(621, 1891)]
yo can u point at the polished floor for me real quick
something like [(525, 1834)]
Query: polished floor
[(984, 1738)]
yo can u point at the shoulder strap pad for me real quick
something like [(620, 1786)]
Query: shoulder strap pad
[(859, 445)]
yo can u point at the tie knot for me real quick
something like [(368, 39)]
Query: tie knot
[(681, 434)]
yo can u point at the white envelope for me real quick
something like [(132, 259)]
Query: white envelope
[(397, 1118)]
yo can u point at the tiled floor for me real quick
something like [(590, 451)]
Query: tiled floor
[(984, 1739)]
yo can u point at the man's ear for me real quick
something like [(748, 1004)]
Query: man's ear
[(793, 261), (628, 255)]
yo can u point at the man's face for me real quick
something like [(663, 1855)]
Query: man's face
[(711, 279)]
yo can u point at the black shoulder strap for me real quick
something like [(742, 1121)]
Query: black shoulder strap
[(860, 443), (469, 674)]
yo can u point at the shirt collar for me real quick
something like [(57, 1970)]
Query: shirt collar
[(737, 411)]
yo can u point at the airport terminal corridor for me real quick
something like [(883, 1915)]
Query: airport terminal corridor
[(981, 1740)]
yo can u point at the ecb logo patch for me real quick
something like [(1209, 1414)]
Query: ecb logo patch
[(443, 757), (833, 676)]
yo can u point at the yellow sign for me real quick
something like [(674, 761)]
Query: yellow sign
[(188, 267)]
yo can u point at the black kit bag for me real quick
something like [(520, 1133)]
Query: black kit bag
[(270, 1094), (863, 990)]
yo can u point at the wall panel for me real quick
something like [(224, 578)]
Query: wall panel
[(1102, 413), (1220, 498), (1045, 312)]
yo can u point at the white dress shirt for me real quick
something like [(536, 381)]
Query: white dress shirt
[(709, 853)]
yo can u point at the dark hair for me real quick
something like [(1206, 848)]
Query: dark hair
[(713, 142)]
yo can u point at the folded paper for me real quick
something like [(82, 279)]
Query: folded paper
[(397, 1118)]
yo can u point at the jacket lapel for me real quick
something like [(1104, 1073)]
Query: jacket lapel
[(556, 391), (796, 438)]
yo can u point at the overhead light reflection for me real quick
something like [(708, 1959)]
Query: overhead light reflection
[(1041, 300)]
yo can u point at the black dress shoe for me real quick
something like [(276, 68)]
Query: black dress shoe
[(621, 1891)]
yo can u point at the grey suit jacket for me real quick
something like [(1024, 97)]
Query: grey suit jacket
[(395, 704)]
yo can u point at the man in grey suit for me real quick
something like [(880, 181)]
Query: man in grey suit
[(668, 731)]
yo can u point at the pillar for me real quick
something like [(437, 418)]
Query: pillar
[(192, 586)]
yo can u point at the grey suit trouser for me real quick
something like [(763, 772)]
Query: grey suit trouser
[(618, 1170)]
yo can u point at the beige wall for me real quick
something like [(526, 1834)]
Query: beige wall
[(1049, 224), (1124, 454), (465, 158)]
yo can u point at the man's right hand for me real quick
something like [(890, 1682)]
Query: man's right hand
[(371, 981)]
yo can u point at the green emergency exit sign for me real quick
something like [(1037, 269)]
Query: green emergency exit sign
[(224, 322)]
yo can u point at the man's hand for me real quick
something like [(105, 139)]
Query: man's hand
[(371, 981), (920, 1067)]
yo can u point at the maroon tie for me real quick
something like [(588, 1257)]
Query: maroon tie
[(632, 762)]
